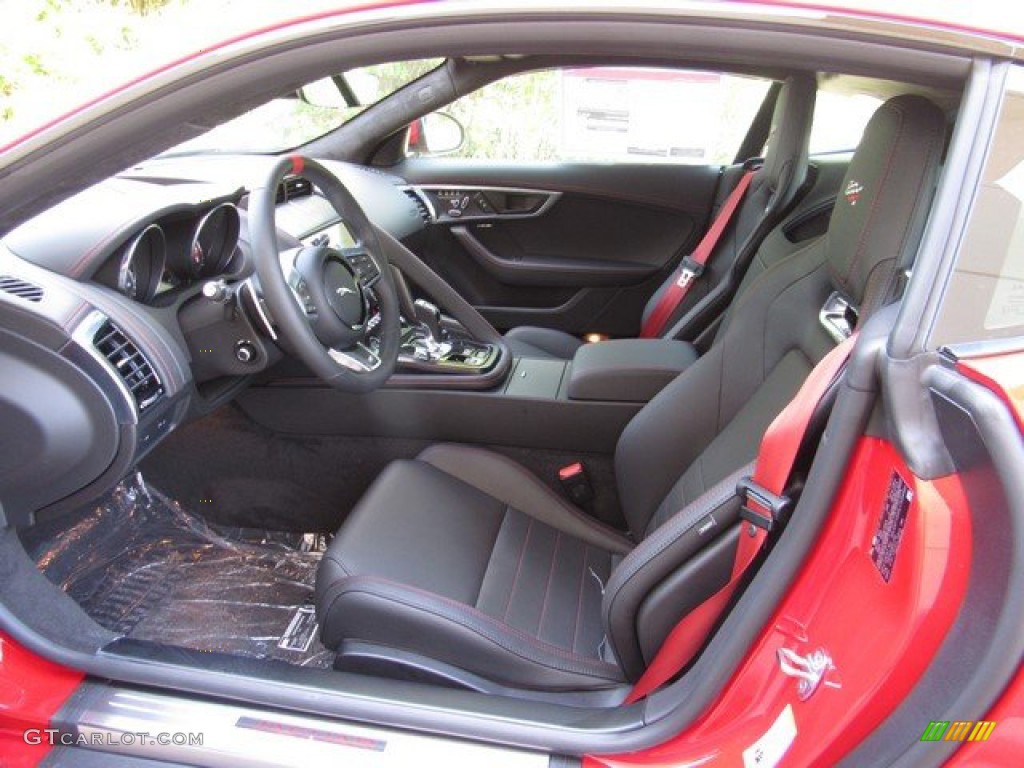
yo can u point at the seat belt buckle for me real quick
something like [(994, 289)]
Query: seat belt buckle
[(761, 507), (576, 484), (689, 271)]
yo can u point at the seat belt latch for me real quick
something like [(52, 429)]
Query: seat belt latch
[(574, 480), (689, 271), (761, 507)]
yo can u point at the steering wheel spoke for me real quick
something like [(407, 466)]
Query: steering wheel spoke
[(300, 291), (363, 264)]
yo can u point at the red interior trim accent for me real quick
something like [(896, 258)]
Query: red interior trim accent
[(701, 255), (573, 469), (775, 459)]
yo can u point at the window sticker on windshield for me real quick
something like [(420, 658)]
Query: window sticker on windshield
[(301, 630), (886, 541), (767, 751)]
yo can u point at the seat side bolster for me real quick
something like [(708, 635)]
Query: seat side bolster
[(665, 550), (374, 609), (505, 480)]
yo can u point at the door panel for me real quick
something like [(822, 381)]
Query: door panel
[(578, 247)]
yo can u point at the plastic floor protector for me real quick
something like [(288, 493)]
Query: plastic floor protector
[(144, 567)]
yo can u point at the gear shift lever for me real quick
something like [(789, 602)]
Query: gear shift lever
[(429, 316)]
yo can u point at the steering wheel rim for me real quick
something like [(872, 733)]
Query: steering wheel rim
[(331, 282)]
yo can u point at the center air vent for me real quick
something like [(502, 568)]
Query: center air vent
[(293, 187), (18, 287), (131, 365), (421, 206)]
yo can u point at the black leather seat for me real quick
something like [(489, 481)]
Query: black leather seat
[(772, 191), (464, 558)]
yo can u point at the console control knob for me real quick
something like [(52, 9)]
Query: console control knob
[(245, 351), (217, 290)]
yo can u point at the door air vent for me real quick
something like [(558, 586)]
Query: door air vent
[(131, 365), (292, 188), (421, 206), (18, 287)]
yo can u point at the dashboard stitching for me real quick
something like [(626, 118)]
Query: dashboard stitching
[(78, 268)]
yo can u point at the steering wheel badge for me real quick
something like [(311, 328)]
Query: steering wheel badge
[(343, 294)]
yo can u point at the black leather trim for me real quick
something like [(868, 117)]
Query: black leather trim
[(505, 480), (656, 557), (628, 370), (364, 608), (886, 193), (551, 272), (544, 343)]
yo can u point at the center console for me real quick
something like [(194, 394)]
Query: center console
[(580, 405)]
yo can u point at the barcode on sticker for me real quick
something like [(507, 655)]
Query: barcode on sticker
[(301, 630), (767, 751)]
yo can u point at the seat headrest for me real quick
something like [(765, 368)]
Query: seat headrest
[(785, 152), (884, 198)]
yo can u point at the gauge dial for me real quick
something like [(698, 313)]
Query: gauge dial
[(214, 241), (142, 264)]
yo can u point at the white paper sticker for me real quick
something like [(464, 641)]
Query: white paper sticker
[(767, 751)]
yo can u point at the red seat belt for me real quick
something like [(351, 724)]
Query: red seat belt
[(775, 459), (693, 265)]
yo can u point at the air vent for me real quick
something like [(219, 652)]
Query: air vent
[(21, 289), (293, 187), (133, 368), (421, 206)]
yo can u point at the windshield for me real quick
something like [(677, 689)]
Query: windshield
[(318, 108)]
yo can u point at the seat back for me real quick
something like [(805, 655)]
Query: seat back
[(679, 459), (773, 190)]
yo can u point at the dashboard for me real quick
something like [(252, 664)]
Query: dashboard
[(135, 303), (191, 211)]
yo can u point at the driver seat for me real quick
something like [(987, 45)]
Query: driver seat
[(464, 560)]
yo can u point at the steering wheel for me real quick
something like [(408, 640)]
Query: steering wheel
[(322, 298)]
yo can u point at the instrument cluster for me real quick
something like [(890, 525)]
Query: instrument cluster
[(174, 251)]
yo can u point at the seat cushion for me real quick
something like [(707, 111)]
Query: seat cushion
[(544, 343), (430, 564)]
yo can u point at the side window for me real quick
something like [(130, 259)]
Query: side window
[(985, 296), (610, 114), (839, 121)]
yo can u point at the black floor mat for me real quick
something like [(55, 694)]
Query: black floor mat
[(142, 566)]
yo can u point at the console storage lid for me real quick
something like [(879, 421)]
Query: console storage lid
[(627, 370)]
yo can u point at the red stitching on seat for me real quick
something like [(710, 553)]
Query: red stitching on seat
[(519, 567), (547, 587), (364, 583), (579, 597), (882, 184)]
